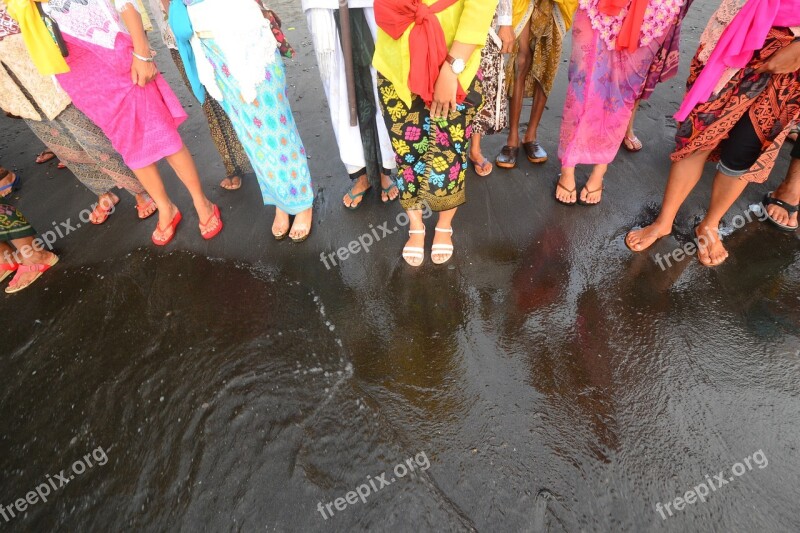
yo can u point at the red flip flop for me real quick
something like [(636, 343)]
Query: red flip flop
[(174, 225), (6, 269), (208, 235)]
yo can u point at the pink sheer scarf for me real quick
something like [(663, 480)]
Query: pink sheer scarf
[(746, 33)]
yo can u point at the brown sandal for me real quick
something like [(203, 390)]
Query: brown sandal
[(570, 191), (588, 192)]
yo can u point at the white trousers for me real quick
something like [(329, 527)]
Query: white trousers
[(351, 149)]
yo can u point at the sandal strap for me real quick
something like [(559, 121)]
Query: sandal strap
[(27, 269), (442, 247), (357, 195), (570, 191), (444, 230), (771, 200), (416, 232), (9, 267)]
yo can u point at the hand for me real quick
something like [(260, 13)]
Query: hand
[(444, 93), (143, 72), (784, 61), (506, 34)]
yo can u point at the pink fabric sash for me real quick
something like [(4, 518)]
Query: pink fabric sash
[(746, 34)]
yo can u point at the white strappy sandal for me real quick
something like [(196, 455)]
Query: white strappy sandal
[(445, 250), (414, 255)]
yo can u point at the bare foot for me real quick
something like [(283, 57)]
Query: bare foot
[(710, 251), (165, 218), (442, 249), (353, 197), (23, 279), (565, 189), (145, 206), (386, 182), (414, 250), (778, 213), (639, 240), (592, 192), (104, 208), (301, 227), (5, 182), (233, 183), (280, 226)]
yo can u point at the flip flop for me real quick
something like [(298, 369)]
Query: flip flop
[(11, 187), (569, 191), (386, 191), (353, 197), (174, 225), (632, 144), (210, 234), (6, 269), (588, 192), (39, 269), (44, 157), (104, 210), (141, 210), (790, 209), (232, 187), (480, 167)]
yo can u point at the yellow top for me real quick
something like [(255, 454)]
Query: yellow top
[(466, 21), (41, 46)]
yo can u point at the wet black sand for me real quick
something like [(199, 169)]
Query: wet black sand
[(555, 381)]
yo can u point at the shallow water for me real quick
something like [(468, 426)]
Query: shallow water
[(548, 378)]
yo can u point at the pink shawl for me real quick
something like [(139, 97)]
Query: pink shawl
[(745, 35)]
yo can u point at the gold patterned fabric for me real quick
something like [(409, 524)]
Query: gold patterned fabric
[(222, 133), (547, 28), (12, 224)]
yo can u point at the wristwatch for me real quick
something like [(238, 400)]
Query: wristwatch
[(458, 65)]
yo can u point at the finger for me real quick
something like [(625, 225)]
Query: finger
[(133, 76), (444, 112), (435, 110)]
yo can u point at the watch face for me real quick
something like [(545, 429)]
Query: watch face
[(459, 65)]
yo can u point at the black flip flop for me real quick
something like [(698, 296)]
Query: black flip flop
[(790, 209)]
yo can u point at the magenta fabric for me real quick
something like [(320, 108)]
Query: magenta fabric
[(744, 35), (141, 122), (603, 87)]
